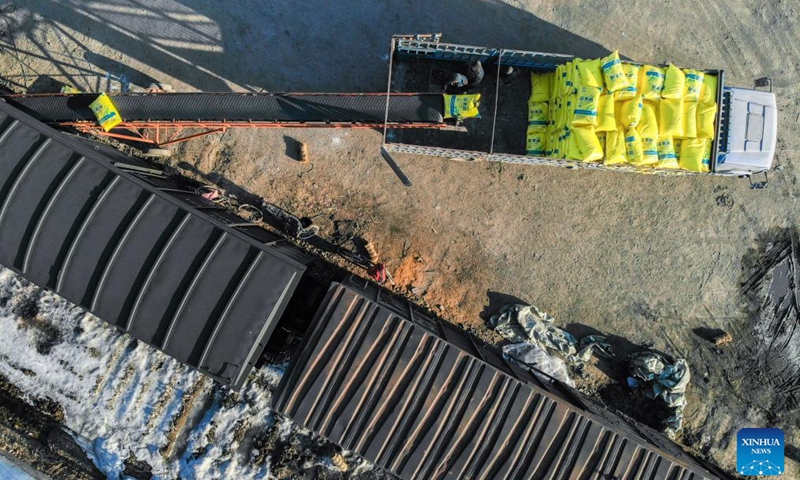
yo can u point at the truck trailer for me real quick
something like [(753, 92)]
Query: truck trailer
[(745, 126)]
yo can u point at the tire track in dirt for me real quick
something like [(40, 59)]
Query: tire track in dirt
[(731, 34), (194, 398), (114, 365), (122, 393), (165, 394), (785, 35)]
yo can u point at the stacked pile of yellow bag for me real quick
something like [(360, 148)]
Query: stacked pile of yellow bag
[(623, 114)]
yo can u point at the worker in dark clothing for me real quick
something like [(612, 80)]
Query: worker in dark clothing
[(456, 84), (469, 76), (474, 73)]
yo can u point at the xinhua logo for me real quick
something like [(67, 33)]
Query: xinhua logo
[(759, 451)]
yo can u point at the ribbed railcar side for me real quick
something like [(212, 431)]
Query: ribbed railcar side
[(423, 400), (162, 264)]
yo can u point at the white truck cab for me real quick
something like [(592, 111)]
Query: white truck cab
[(748, 132)]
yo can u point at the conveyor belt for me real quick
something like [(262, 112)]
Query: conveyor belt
[(240, 107)]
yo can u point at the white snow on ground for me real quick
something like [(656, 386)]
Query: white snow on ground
[(123, 397)]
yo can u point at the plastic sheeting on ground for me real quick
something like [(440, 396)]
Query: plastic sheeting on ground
[(534, 357), (663, 381), (534, 332)]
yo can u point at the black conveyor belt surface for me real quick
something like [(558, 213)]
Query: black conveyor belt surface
[(240, 107)]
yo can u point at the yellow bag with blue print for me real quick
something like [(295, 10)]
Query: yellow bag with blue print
[(649, 152), (106, 112), (632, 74), (630, 111), (614, 74), (633, 146), (588, 100), (666, 153), (694, 85), (651, 81), (462, 106), (536, 144), (537, 115), (615, 148)]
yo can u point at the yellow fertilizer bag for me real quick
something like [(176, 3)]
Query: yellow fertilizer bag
[(689, 119), (648, 125), (613, 73), (694, 85), (677, 142), (536, 143), (558, 115), (106, 112), (569, 107), (551, 113), (586, 106), (615, 148), (540, 86), (552, 145), (707, 155), (630, 112), (568, 78), (674, 83), (649, 151), (588, 144), (572, 152), (561, 118), (692, 152), (633, 146), (558, 82), (462, 106), (606, 121), (651, 82), (632, 74), (557, 148), (706, 116), (666, 153), (591, 74), (670, 118), (537, 115), (708, 94)]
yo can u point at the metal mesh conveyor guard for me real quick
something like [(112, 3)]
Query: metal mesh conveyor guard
[(240, 107)]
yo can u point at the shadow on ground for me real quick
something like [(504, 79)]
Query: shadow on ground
[(497, 301), (279, 46)]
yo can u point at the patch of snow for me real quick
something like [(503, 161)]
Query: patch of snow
[(121, 396)]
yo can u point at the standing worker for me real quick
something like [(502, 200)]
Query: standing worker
[(470, 75)]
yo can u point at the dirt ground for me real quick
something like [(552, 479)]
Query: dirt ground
[(647, 260)]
